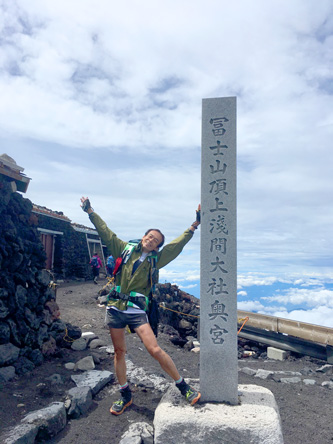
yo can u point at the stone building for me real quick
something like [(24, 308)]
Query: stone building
[(27, 301), (68, 246), (33, 242)]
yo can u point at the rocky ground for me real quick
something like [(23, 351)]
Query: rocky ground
[(306, 410)]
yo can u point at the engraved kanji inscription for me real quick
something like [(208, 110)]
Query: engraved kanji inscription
[(218, 310), (219, 168), (219, 206), (218, 244), (218, 148), (217, 333), (218, 224), (218, 186), (217, 288), (217, 123), (217, 265)]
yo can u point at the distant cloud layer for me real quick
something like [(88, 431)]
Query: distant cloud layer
[(309, 297), (314, 294)]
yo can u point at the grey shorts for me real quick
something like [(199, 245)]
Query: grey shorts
[(119, 319)]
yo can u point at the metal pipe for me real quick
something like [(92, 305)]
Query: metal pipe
[(288, 343), (308, 332)]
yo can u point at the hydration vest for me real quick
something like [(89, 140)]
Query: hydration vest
[(126, 254), (134, 298)]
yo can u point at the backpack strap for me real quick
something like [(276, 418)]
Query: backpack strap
[(133, 297), (153, 313), (153, 271), (125, 255)]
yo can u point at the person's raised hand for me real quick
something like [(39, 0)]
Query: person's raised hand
[(197, 221), (85, 204), (198, 214)]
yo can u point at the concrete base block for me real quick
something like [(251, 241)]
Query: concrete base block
[(255, 420), (277, 354)]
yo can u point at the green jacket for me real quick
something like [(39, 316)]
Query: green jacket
[(140, 281)]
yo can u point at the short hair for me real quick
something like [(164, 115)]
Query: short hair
[(159, 231)]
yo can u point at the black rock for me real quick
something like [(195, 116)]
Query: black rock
[(23, 365), (4, 333), (177, 340)]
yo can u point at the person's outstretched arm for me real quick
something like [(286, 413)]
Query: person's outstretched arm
[(110, 239), (174, 248)]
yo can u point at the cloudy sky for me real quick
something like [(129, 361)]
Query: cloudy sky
[(103, 99)]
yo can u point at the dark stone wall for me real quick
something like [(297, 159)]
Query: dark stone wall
[(29, 324), (76, 259), (21, 252)]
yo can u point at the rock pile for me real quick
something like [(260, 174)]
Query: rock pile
[(251, 349), (29, 325), (179, 313)]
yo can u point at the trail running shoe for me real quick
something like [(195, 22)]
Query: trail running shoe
[(119, 406), (191, 395), (125, 401)]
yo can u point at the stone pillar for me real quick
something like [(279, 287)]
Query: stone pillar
[(218, 281)]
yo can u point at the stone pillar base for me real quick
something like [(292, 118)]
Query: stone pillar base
[(255, 420)]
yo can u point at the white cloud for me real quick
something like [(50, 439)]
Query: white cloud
[(185, 287), (176, 271), (321, 315), (307, 297), (255, 279), (242, 293), (306, 279), (254, 306)]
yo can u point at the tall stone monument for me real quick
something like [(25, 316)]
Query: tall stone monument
[(218, 281), (255, 419)]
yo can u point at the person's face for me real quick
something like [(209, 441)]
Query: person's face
[(150, 241)]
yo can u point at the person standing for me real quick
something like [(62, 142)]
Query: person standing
[(95, 264), (110, 263), (128, 302)]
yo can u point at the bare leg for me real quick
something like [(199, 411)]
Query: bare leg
[(119, 343), (148, 338)]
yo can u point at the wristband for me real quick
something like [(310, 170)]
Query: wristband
[(194, 226)]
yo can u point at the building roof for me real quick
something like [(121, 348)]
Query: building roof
[(50, 213), (84, 229), (14, 173)]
